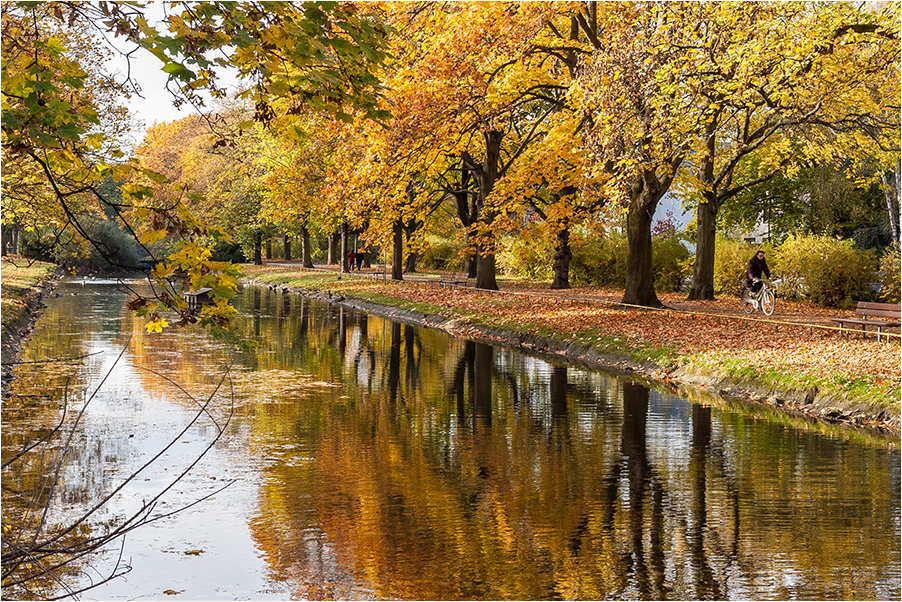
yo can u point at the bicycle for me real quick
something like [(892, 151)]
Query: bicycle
[(763, 299)]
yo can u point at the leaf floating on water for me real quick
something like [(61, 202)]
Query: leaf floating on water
[(194, 552), (172, 592)]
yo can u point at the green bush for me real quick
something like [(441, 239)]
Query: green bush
[(670, 262), (228, 251), (731, 257), (443, 256), (38, 244), (831, 269), (602, 262), (890, 281), (599, 261), (531, 259), (69, 250)]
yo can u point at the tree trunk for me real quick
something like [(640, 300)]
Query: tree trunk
[(467, 212), (891, 192), (269, 248), (485, 269), (334, 249), (640, 279), (345, 249), (470, 266), (258, 248), (397, 254), (287, 246), (703, 275), (562, 257), (485, 248), (306, 255), (410, 263)]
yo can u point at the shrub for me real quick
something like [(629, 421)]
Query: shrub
[(670, 262), (730, 260), (228, 251), (602, 262), (71, 251), (890, 277), (531, 259), (442, 255), (38, 244), (832, 269), (599, 261)]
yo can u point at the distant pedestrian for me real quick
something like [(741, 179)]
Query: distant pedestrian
[(358, 257), (351, 260)]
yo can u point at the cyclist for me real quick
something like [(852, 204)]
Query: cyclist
[(757, 266)]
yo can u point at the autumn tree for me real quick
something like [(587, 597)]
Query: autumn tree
[(789, 99), (466, 84), (552, 184), (297, 159), (639, 127), (705, 85), (315, 54), (62, 119)]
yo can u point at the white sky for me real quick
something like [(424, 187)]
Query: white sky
[(155, 104)]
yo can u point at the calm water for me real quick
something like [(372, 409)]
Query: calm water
[(371, 459)]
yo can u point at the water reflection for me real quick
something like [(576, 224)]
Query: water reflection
[(384, 460)]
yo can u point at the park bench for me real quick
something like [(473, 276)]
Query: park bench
[(454, 279), (880, 311)]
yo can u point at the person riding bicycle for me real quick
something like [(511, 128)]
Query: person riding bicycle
[(757, 266)]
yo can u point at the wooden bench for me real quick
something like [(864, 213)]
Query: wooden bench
[(454, 279), (874, 310)]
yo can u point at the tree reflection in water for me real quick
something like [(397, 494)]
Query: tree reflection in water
[(399, 462)]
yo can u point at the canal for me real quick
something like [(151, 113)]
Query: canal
[(349, 456)]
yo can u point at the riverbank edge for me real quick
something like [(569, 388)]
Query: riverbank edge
[(681, 379), (13, 336)]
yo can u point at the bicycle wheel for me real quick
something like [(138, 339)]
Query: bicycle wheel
[(767, 302), (748, 301)]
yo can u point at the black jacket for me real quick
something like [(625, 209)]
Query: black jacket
[(756, 268)]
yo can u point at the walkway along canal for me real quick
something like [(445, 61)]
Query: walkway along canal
[(374, 459)]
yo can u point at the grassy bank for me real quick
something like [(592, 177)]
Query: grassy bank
[(18, 297), (787, 364)]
